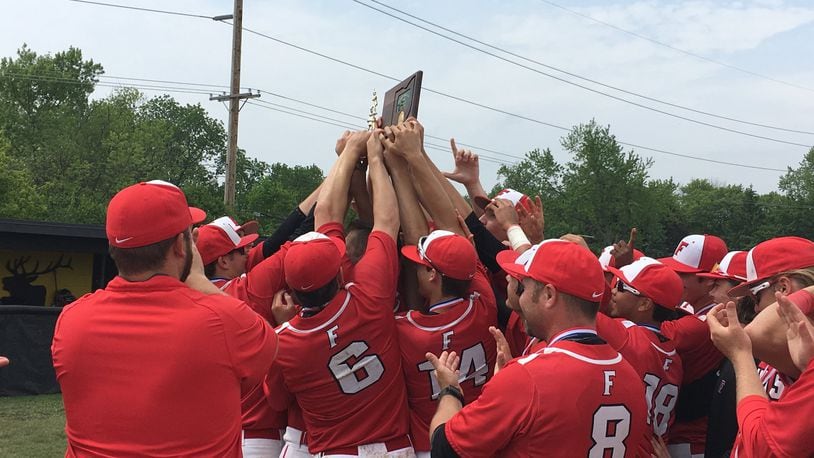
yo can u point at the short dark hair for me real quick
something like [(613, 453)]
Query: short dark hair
[(209, 269), (356, 240), (144, 258), (662, 314), (319, 297), (454, 287), (585, 308)]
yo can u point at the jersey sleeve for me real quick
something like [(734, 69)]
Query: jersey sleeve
[(691, 337), (258, 287), (780, 428), (612, 331), (275, 389), (377, 271), (250, 341), (503, 410), (480, 284)]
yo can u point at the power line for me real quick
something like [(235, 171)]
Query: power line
[(596, 91), (575, 75), (348, 126), (443, 94), (127, 7), (674, 48)]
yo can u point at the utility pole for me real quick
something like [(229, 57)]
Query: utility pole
[(234, 98)]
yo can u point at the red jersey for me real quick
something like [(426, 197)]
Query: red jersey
[(155, 368), (655, 359), (774, 381), (699, 357), (459, 325), (778, 429), (343, 365), (568, 399), (258, 286)]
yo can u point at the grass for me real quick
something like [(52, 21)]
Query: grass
[(32, 426)]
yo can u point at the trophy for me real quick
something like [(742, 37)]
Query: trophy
[(401, 101), (374, 107)]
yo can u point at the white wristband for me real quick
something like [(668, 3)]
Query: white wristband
[(517, 237)]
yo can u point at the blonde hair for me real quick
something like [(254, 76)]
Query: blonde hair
[(802, 277)]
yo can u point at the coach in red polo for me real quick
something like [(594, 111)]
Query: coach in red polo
[(153, 365)]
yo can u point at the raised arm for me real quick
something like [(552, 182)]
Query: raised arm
[(333, 199), (467, 173), (385, 204), (407, 143)]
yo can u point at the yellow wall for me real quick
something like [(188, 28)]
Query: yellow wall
[(77, 279)]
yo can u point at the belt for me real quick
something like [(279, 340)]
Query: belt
[(391, 445), (262, 434)]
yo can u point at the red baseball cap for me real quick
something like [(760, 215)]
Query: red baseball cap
[(215, 241), (653, 280), (450, 254), (696, 253), (606, 259), (313, 259), (517, 198), (249, 227), (731, 267), (569, 267), (773, 257), (147, 213)]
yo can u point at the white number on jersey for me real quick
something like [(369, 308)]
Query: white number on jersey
[(610, 429), (348, 376), (473, 367), (659, 405)]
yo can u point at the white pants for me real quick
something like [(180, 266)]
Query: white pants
[(261, 448), (293, 445), (422, 454), (682, 451), (376, 450)]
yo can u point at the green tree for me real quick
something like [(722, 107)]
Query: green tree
[(275, 195)]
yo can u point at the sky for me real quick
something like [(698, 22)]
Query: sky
[(772, 38)]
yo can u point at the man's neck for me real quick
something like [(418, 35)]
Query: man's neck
[(144, 276), (571, 323)]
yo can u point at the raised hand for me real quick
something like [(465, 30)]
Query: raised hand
[(446, 369), (356, 144), (574, 238), (341, 142), (375, 148), (727, 332), (467, 168), (283, 307), (4, 361), (532, 220), (504, 353), (464, 228), (799, 331), (623, 252), (504, 211), (404, 139)]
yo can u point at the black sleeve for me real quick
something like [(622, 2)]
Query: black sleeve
[(485, 243), (441, 447), (306, 225), (284, 230)]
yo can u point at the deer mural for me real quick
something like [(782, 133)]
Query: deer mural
[(21, 291)]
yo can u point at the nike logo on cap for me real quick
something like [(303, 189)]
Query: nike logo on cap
[(118, 240), (595, 295)]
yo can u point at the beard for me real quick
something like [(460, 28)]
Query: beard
[(187, 259)]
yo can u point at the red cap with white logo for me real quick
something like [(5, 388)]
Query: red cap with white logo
[(215, 241), (147, 213), (313, 259), (569, 267), (732, 267), (773, 257), (517, 199), (450, 254), (696, 253), (652, 280)]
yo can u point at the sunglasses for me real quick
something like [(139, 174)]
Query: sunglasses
[(757, 289), (519, 289), (624, 287)]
